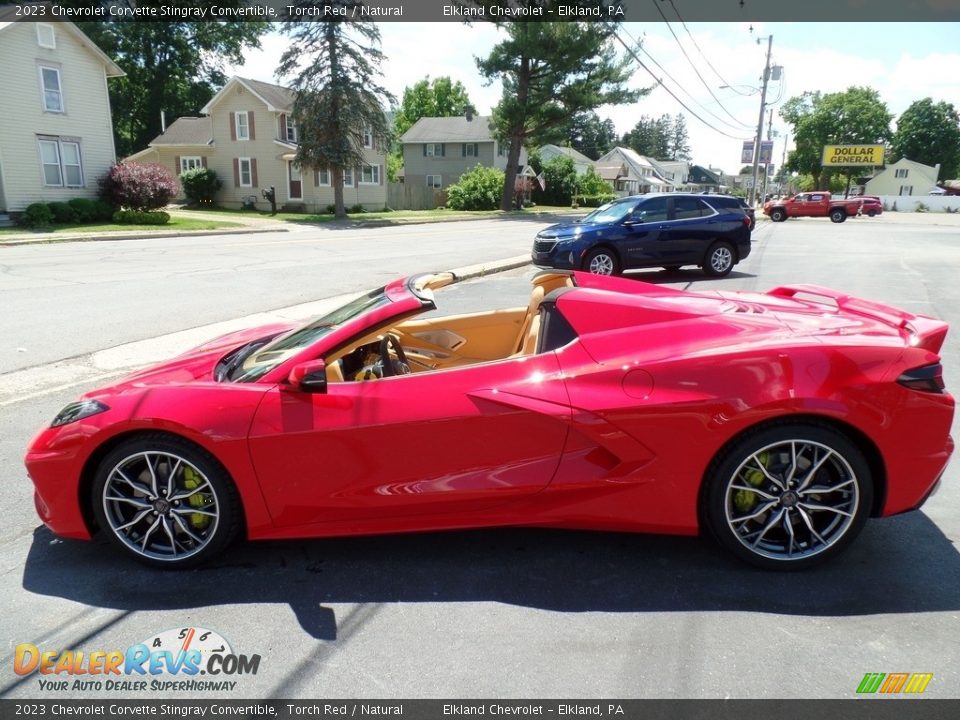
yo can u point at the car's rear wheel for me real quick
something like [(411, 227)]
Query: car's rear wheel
[(165, 501), (871, 213), (602, 261), (838, 215), (719, 259), (778, 214), (789, 496)]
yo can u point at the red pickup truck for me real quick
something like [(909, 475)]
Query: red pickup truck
[(820, 204)]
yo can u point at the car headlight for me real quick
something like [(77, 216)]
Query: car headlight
[(78, 411)]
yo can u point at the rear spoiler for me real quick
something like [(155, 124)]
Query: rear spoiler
[(922, 331)]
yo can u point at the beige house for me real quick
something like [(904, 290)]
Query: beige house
[(56, 133), (247, 136), (643, 176), (904, 177), (438, 150)]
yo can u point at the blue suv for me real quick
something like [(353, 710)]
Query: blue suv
[(667, 230)]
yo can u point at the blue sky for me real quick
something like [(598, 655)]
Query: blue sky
[(903, 61)]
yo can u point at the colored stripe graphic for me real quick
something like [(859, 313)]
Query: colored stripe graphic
[(870, 683), (918, 682), (893, 683)]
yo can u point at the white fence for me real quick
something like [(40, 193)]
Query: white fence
[(933, 203)]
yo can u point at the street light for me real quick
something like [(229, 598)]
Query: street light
[(763, 105)]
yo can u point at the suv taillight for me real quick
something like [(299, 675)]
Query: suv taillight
[(927, 378)]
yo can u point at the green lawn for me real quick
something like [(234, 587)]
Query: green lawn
[(431, 215), (176, 224)]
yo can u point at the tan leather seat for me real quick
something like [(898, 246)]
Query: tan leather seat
[(533, 313)]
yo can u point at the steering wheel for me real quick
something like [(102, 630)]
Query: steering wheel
[(393, 367)]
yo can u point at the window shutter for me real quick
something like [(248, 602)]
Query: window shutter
[(253, 169), (203, 160), (176, 165), (380, 173), (316, 177), (253, 134), (424, 149), (463, 150), (233, 126), (443, 149), (236, 171), (283, 127)]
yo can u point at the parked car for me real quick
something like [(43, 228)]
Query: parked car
[(666, 230), (822, 204), (780, 421)]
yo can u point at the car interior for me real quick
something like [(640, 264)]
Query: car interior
[(439, 343)]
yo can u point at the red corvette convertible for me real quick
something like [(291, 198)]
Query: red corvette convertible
[(778, 421)]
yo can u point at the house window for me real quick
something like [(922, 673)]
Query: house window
[(243, 126), (434, 181), (348, 177), (246, 173), (367, 137), (191, 162), (321, 177), (61, 163), (370, 175), (291, 131), (901, 173), (502, 149), (46, 37), (470, 150), (433, 150), (52, 93), (906, 189)]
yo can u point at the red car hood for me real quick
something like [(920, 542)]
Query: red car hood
[(194, 365)]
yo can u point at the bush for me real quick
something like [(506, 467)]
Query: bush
[(103, 211), (85, 210), (140, 217), (200, 185), (330, 209), (592, 184), (355, 209), (477, 189), (37, 215), (62, 213), (921, 208), (595, 200), (138, 186), (560, 178)]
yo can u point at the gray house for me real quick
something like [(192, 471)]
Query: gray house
[(438, 150)]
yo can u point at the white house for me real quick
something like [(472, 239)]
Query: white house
[(904, 177), (646, 174), (580, 161)]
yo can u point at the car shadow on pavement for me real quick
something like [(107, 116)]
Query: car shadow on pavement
[(898, 565)]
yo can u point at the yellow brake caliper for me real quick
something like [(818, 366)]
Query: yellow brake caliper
[(191, 481), (745, 500)]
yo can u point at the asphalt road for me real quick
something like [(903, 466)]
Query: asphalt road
[(528, 613)]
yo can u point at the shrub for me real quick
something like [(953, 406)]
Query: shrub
[(140, 217), (84, 209), (330, 209), (62, 213), (138, 186), (477, 189), (592, 184), (921, 208), (200, 185), (595, 200), (103, 211), (560, 178), (356, 209), (37, 215)]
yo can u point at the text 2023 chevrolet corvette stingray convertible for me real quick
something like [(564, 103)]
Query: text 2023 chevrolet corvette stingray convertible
[(780, 421)]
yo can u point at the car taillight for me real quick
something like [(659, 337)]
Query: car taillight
[(746, 220), (928, 378)]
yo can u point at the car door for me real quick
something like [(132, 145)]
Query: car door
[(431, 442), (692, 227), (639, 233)]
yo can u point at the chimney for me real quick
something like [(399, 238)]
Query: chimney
[(163, 122), (468, 113)]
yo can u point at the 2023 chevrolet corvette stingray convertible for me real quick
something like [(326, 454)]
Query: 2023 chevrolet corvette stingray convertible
[(778, 421)]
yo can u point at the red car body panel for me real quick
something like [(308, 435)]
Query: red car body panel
[(614, 430)]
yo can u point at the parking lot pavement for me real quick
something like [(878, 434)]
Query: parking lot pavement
[(527, 613)]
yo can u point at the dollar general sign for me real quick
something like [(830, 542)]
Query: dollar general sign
[(840, 155)]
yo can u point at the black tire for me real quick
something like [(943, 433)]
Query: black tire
[(602, 261), (720, 259), (778, 214), (165, 522), (871, 213), (773, 518), (838, 215)]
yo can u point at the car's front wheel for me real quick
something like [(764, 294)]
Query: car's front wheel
[(165, 501), (602, 262), (789, 496), (719, 260), (838, 215), (778, 214)]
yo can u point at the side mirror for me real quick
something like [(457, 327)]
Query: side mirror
[(309, 377)]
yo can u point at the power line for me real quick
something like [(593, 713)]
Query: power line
[(703, 55), (656, 4)]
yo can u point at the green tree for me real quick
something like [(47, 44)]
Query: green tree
[(440, 97), (170, 66), (339, 105), (560, 178), (679, 139), (550, 71), (929, 133), (588, 134), (854, 116), (651, 137)]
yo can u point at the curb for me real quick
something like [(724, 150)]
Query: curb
[(53, 239), (480, 269)]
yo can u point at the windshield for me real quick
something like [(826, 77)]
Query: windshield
[(609, 213), (286, 346)]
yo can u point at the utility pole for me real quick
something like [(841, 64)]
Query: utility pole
[(783, 163), (766, 166), (763, 106)]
